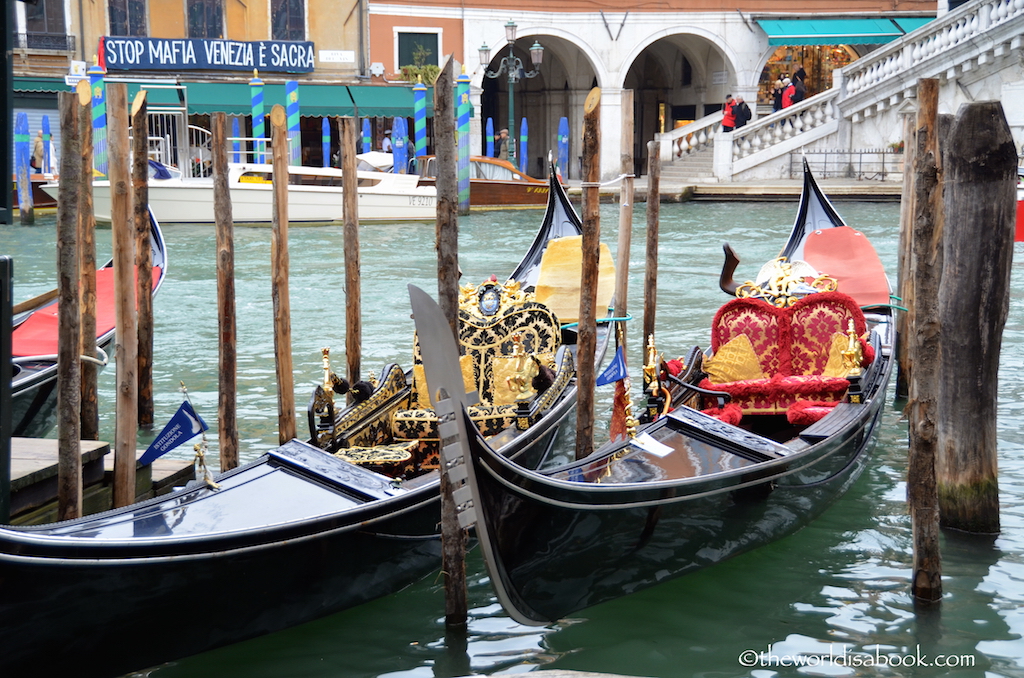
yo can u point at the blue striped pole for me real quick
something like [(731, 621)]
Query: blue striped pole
[(325, 141), (258, 118), (366, 136), (490, 137), (399, 139), (563, 148), (419, 119), (524, 158), (236, 144), (99, 119), (291, 109), (47, 160), (22, 154), (462, 109)]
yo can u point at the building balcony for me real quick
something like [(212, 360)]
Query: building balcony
[(46, 41)]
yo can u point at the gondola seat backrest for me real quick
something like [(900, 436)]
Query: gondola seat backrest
[(769, 358), (487, 343)]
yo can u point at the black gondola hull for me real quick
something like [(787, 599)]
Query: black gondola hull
[(558, 549)]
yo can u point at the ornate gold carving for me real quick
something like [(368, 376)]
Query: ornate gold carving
[(510, 294), (782, 282), (651, 366), (521, 383), (854, 353), (328, 384)]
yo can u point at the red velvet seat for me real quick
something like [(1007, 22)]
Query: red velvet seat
[(792, 346)]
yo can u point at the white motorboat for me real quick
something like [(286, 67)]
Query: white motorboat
[(314, 196)]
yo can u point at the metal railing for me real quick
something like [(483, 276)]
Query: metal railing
[(878, 164), (55, 41)]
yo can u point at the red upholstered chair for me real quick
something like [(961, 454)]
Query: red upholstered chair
[(792, 347)]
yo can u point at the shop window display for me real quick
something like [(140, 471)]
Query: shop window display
[(817, 60)]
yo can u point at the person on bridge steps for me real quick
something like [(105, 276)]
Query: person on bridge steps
[(741, 112), (728, 115)]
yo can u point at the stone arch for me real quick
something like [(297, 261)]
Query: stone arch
[(566, 75)]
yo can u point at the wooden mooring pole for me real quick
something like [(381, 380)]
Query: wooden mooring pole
[(626, 198), (143, 256), (227, 391), (69, 342), (904, 283), (980, 206), (923, 347), (124, 292), (353, 286), (586, 345), (279, 279), (90, 421), (453, 537), (653, 224)]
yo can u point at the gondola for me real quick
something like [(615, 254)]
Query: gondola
[(293, 536), (34, 344), (727, 460)]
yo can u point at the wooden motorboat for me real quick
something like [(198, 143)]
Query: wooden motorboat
[(743, 444), (314, 196), (34, 344), (493, 183), (295, 535)]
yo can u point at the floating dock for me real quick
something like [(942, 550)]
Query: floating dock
[(34, 478)]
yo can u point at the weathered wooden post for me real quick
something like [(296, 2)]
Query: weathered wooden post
[(279, 279), (653, 224), (904, 283), (625, 212), (69, 376), (980, 204), (227, 398), (143, 255), (124, 292), (350, 214), (90, 422), (586, 347), (453, 537), (923, 346)]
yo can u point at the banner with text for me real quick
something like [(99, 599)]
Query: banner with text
[(128, 54)]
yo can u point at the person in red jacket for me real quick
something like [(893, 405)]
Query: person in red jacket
[(787, 93), (728, 115)]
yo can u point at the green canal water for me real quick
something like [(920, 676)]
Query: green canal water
[(831, 600)]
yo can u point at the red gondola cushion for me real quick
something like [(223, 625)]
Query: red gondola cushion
[(38, 334)]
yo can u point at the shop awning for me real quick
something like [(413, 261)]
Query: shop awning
[(235, 98), (837, 31), (40, 85)]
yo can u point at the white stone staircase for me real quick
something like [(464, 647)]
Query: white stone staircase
[(977, 45)]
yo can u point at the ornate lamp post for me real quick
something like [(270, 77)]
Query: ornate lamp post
[(513, 66)]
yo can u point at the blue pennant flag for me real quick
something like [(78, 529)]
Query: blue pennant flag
[(183, 426), (615, 371)]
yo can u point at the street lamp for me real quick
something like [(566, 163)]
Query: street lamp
[(512, 65)]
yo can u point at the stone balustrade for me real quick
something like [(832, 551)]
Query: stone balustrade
[(932, 40), (690, 138), (981, 34), (809, 114)]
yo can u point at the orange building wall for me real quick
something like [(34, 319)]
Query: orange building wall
[(167, 19), (334, 25), (382, 41)]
